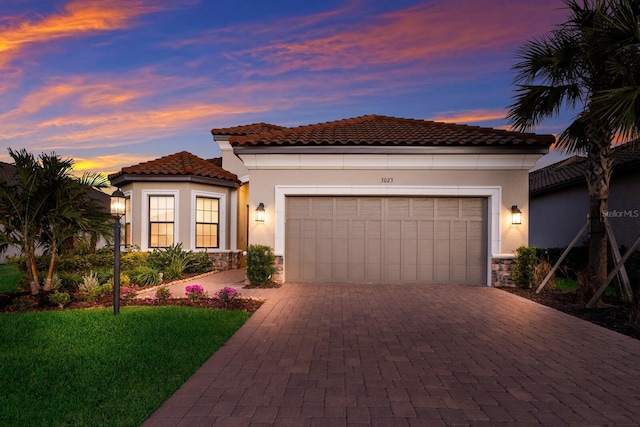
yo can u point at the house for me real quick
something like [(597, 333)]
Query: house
[(372, 199), (559, 199)]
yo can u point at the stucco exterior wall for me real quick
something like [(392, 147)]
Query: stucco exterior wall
[(184, 197), (511, 189), (557, 216)]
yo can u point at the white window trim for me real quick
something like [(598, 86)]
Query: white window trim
[(222, 220), (144, 229), (493, 194), (129, 195)]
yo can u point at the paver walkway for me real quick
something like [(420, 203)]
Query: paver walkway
[(406, 355)]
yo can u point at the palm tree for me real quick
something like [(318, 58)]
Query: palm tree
[(588, 64), (44, 205)]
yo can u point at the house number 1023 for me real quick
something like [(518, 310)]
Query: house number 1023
[(386, 180)]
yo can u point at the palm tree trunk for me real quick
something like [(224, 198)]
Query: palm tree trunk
[(52, 266), (32, 270), (598, 178)]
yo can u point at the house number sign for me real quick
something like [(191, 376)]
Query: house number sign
[(387, 180)]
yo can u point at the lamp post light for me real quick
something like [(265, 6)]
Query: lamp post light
[(117, 209)]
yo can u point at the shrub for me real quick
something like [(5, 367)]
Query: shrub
[(128, 292), (227, 294), (99, 292), (523, 270), (540, 271), (101, 258), (60, 298), (124, 280), (260, 264), (145, 276), (132, 260), (163, 293), (70, 279), (176, 268), (195, 292), (56, 282), (200, 262), (160, 259), (23, 303), (89, 282)]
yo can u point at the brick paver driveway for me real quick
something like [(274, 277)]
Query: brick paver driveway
[(335, 355)]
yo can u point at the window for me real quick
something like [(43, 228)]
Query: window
[(127, 221), (207, 217), (161, 221)]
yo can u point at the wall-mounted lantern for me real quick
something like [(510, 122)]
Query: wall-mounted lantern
[(260, 213), (516, 215)]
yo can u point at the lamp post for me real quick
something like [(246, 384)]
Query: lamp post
[(117, 209)]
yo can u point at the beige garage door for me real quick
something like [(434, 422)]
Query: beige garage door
[(386, 240)]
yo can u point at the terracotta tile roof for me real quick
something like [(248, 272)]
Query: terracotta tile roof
[(390, 131), (571, 171), (179, 164), (7, 172), (255, 128)]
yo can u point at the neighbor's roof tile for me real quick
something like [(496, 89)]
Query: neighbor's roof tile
[(182, 163), (382, 130), (572, 170)]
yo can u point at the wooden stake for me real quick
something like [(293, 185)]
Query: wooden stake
[(564, 254), (624, 277), (613, 273)]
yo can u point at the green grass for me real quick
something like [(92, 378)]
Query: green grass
[(567, 285), (564, 284), (9, 278), (91, 368)]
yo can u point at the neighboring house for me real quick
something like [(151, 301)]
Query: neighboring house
[(6, 174), (559, 199), (372, 199)]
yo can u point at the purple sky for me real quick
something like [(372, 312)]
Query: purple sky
[(111, 83)]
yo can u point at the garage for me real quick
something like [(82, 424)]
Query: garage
[(350, 239)]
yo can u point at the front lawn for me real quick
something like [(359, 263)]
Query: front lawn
[(9, 278), (91, 368)]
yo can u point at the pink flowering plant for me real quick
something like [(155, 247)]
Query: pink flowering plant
[(227, 294), (163, 293), (128, 293), (195, 292)]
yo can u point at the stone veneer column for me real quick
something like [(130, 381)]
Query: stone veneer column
[(501, 267)]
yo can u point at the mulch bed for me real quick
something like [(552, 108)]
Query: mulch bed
[(245, 304), (609, 313)]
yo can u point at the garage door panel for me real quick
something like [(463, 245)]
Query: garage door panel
[(448, 208), (346, 207), (321, 207), (371, 208), (298, 207), (386, 239), (423, 208), (399, 208)]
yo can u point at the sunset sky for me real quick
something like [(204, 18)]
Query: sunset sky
[(111, 83)]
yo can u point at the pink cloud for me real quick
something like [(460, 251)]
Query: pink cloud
[(77, 17), (422, 33)]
